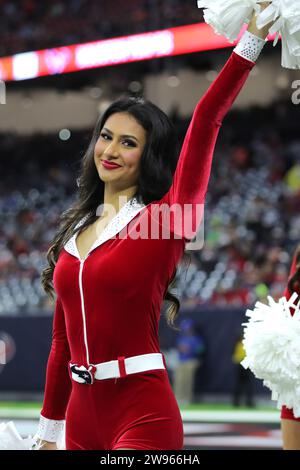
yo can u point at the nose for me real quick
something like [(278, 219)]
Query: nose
[(111, 149)]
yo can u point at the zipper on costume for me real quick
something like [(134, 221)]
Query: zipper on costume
[(83, 309)]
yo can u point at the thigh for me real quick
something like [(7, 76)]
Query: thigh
[(159, 434), (290, 434), (87, 426), (149, 416)]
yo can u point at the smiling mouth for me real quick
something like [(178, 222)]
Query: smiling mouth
[(109, 165)]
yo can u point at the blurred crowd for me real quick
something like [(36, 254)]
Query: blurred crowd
[(252, 218), (29, 25)]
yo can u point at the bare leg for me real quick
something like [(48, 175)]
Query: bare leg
[(291, 434)]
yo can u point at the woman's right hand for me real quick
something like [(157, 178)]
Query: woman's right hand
[(46, 445)]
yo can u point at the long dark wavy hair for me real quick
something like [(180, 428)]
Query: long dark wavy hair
[(294, 281), (157, 166)]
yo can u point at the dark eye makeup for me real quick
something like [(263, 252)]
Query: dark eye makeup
[(103, 134)]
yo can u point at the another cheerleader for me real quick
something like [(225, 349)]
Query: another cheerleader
[(289, 424)]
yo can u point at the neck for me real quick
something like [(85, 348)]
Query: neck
[(116, 199)]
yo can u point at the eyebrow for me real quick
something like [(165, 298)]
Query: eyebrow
[(124, 135)]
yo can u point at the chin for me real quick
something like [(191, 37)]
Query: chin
[(107, 176)]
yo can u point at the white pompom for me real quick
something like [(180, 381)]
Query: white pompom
[(272, 345), (10, 439), (228, 16), (286, 15)]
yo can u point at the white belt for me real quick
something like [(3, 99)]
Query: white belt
[(119, 368)]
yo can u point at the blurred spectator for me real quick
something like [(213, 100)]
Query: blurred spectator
[(292, 178), (243, 386), (191, 348)]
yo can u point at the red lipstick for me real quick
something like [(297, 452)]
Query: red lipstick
[(109, 165)]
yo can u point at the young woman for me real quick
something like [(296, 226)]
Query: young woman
[(289, 424), (106, 375)]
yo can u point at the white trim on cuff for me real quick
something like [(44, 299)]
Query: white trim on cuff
[(250, 46), (49, 429)]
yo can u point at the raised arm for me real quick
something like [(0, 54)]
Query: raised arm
[(58, 383), (193, 169)]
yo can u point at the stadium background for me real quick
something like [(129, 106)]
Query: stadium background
[(251, 225)]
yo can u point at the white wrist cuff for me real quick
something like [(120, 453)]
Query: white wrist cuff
[(250, 46), (49, 429)]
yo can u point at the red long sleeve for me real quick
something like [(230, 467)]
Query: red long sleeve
[(193, 169), (58, 383), (194, 165), (287, 413)]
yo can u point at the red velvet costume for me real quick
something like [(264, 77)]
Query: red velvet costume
[(287, 413), (109, 305)]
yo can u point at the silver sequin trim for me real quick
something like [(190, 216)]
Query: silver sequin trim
[(250, 46), (49, 429), (121, 219)]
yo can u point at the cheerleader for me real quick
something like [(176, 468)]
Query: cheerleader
[(290, 425), (106, 378)]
